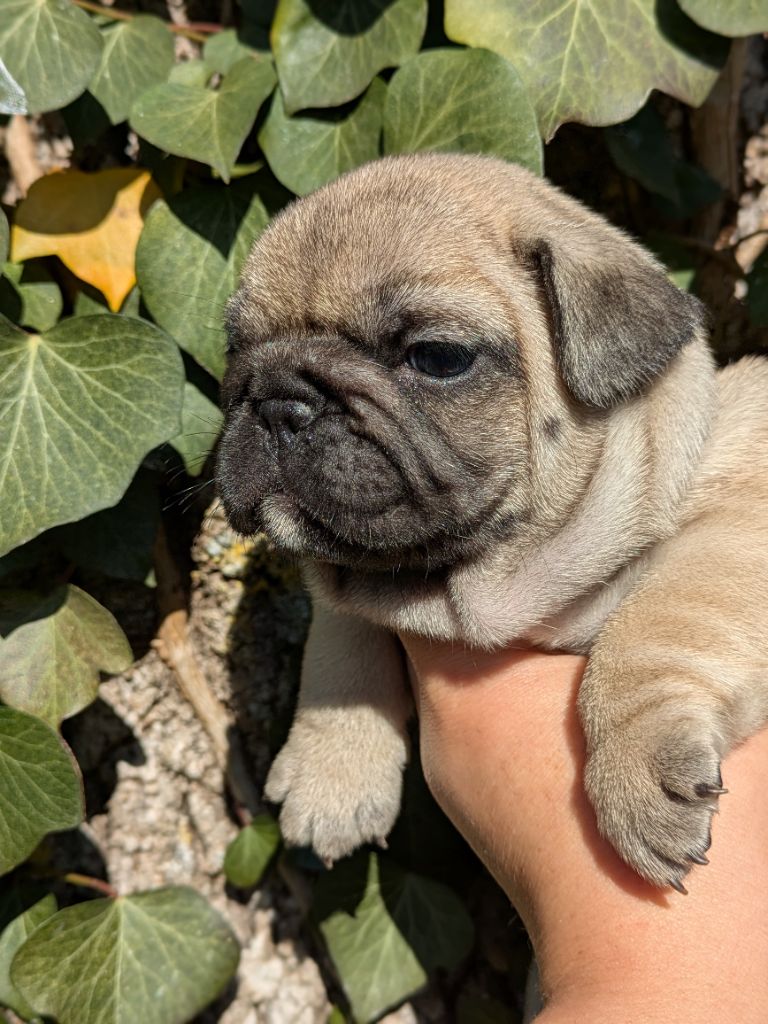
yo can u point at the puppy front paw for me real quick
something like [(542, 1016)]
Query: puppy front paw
[(339, 779), (654, 790)]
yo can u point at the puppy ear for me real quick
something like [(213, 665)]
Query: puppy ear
[(616, 323)]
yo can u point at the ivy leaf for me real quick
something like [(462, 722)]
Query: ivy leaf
[(327, 52), (52, 648), (188, 263), (223, 50), (734, 18), (205, 124), (92, 222), (467, 100), (13, 936), (305, 152), (136, 55), (592, 63), (201, 421), (250, 851), (190, 72), (387, 929), (41, 790), (117, 541), (48, 52), (757, 296), (642, 149), (29, 296), (80, 407), (157, 957)]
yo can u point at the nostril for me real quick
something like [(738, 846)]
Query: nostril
[(286, 416)]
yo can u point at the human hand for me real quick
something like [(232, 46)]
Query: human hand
[(503, 753)]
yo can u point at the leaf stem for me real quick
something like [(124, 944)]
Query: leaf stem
[(198, 31), (87, 882)]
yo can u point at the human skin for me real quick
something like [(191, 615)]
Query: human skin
[(503, 753)]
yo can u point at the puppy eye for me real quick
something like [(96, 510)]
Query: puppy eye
[(438, 359)]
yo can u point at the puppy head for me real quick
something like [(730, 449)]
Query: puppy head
[(422, 357)]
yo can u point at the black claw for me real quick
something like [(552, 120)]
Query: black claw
[(678, 886), (698, 858), (706, 789)]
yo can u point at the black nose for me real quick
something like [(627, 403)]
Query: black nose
[(286, 417)]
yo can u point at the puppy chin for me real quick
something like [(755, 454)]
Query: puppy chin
[(282, 523)]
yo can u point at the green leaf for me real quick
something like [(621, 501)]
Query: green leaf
[(223, 50), (188, 262), (305, 152), (387, 929), (205, 124), (729, 17), (80, 406), (327, 52), (190, 72), (3, 238), (642, 149), (13, 936), (757, 296), (52, 649), (41, 790), (250, 851), (117, 541), (29, 296), (591, 62), (137, 54), (469, 101), (154, 957), (201, 421), (48, 52)]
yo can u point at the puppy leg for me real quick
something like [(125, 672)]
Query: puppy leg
[(339, 775), (676, 679)]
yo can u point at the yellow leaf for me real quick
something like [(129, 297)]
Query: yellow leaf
[(92, 222)]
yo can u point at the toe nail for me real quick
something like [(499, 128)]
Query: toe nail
[(328, 863), (678, 886), (698, 858), (382, 843), (705, 789)]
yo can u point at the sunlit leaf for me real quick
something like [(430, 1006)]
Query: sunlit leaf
[(53, 647), (92, 222), (306, 151), (327, 52), (188, 263), (154, 957), (41, 790), (209, 125), (136, 55), (48, 51), (468, 101), (13, 936), (729, 17), (387, 929), (201, 421), (223, 50), (250, 851), (592, 62), (190, 72), (80, 406)]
